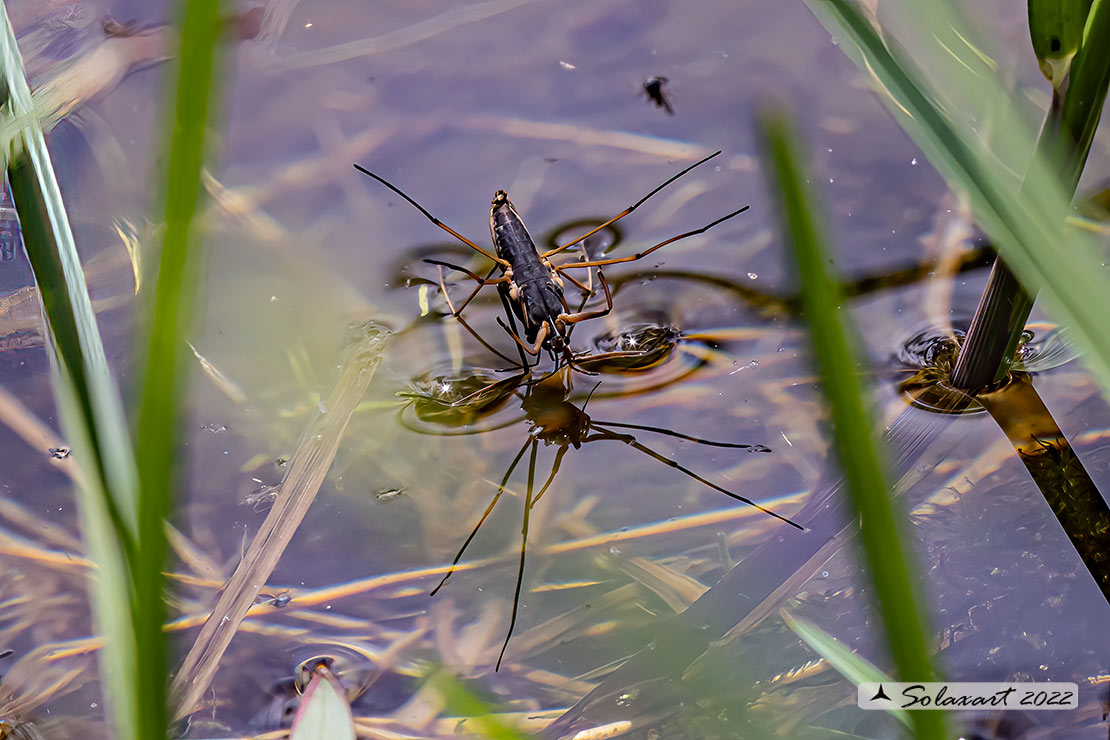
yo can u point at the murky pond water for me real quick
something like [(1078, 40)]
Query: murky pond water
[(452, 102)]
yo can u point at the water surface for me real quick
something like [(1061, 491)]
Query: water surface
[(451, 103)]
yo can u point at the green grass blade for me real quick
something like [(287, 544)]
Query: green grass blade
[(1026, 223), (1083, 101), (880, 529), (1064, 142), (852, 666), (88, 401), (1056, 30), (164, 377), (463, 702)]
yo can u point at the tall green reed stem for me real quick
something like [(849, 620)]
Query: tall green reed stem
[(1065, 141), (171, 309), (1026, 221), (124, 503), (881, 531), (87, 399)]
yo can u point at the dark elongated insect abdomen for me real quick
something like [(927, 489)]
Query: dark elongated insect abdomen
[(537, 297)]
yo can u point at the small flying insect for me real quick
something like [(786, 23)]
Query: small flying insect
[(653, 89), (529, 282)]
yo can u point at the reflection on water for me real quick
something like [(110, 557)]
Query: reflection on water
[(928, 357), (457, 103), (553, 420), (639, 347), (637, 351)]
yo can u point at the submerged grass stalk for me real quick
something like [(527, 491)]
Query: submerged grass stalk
[(308, 466)]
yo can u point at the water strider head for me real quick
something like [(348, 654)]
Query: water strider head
[(510, 236)]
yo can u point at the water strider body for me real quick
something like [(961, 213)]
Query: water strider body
[(533, 286), (529, 282)]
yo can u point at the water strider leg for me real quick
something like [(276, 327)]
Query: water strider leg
[(582, 305), (432, 218), (523, 551), (629, 440), (554, 470), (540, 336), (679, 435), (484, 343), (582, 287), (524, 364), (450, 265), (574, 318), (482, 282), (461, 320), (630, 209), (649, 250), (485, 514)]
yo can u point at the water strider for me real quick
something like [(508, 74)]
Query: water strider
[(531, 287), (530, 284)]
